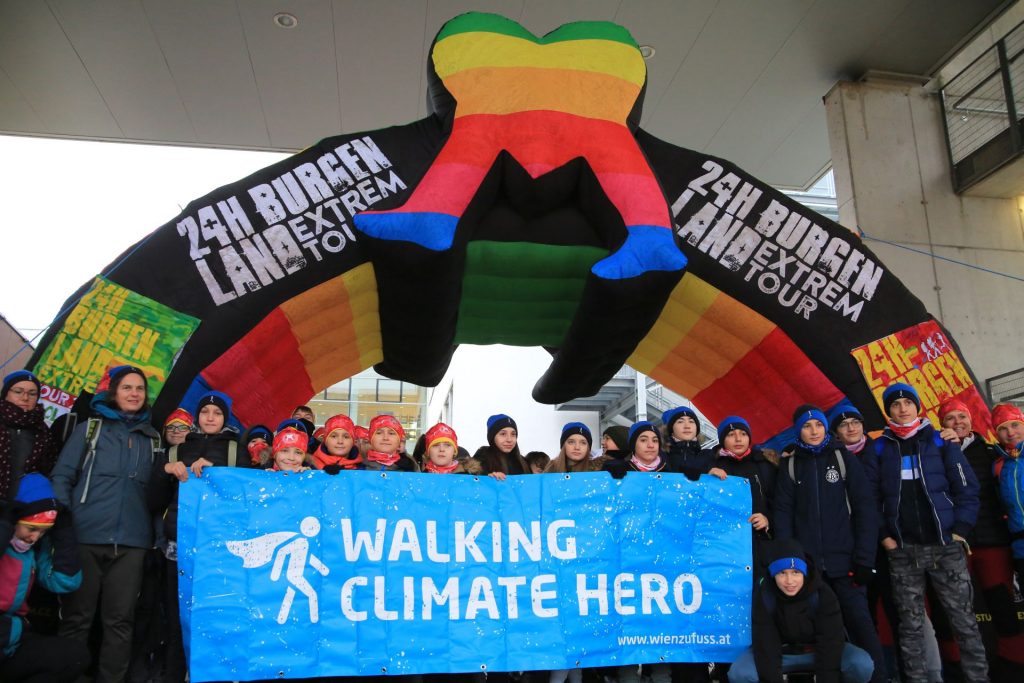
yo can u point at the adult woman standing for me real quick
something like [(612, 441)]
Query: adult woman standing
[(25, 442), (102, 475)]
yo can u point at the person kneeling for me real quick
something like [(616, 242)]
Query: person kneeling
[(797, 626)]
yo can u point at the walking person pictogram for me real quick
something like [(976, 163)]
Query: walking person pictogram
[(290, 554)]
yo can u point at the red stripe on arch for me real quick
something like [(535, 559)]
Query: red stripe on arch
[(264, 373), (766, 384)]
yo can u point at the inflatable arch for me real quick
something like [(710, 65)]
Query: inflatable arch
[(529, 209)]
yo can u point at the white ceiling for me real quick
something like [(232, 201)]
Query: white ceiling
[(741, 79)]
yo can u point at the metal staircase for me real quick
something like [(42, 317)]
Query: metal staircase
[(630, 396)]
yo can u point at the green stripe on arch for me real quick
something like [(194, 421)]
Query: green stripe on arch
[(522, 293), (494, 23)]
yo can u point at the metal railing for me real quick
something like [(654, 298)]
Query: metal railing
[(1007, 387), (656, 398), (982, 107)]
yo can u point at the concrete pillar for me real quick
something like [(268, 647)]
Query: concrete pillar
[(893, 182)]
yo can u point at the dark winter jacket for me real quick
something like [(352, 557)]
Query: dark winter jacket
[(990, 530), (107, 491), (405, 463), (620, 468), (492, 460), (796, 625), (833, 518), (1011, 491), (949, 485), (163, 489), (26, 445), (688, 457), (761, 474)]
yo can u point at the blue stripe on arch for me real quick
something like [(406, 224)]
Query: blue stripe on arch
[(435, 231), (647, 248)]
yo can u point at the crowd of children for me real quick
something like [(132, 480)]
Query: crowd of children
[(840, 522)]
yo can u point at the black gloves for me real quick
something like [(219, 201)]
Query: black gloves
[(862, 575)]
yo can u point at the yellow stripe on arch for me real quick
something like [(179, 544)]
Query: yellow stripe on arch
[(684, 308), (719, 332), (361, 283), (466, 51), (337, 326)]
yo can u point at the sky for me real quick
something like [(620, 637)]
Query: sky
[(71, 207)]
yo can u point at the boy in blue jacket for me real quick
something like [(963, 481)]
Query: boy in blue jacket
[(824, 500), (928, 498)]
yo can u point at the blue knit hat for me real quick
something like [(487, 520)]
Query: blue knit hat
[(576, 428), (117, 373), (808, 412), (669, 417), (638, 428), (847, 413), (15, 377), (495, 423), (295, 423), (35, 494), (786, 554), (215, 398), (258, 432), (784, 563), (730, 423), (899, 390)]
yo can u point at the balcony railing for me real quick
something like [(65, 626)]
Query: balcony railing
[(1007, 387), (982, 107)]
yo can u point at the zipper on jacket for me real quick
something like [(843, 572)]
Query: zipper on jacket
[(928, 495), (899, 488), (759, 487), (1017, 485), (817, 498)]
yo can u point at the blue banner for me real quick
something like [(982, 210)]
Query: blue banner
[(300, 575)]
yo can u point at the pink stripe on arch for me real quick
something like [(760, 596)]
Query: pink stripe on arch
[(446, 188)]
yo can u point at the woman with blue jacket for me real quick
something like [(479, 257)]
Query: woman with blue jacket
[(102, 476)]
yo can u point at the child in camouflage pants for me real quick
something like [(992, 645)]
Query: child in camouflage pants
[(928, 498)]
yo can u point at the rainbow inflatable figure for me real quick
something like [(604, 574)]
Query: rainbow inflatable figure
[(529, 209)]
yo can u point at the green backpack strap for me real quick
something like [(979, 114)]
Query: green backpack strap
[(92, 432), (172, 454), (232, 453)]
